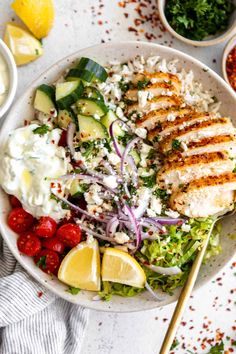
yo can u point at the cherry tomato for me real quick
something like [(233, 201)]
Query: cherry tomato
[(48, 261), (46, 227), (15, 203), (69, 234), (19, 220), (63, 139), (54, 244), (29, 244)]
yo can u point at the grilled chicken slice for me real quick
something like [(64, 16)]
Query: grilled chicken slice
[(157, 89), (159, 102), (182, 171), (159, 77), (181, 122), (216, 143), (151, 119), (195, 132), (206, 196)]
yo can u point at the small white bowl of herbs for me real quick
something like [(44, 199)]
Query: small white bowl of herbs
[(199, 23)]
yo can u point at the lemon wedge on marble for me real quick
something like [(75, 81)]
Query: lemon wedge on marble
[(118, 266), (38, 15), (81, 266), (24, 47)]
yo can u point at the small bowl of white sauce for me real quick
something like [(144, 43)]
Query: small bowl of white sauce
[(8, 78)]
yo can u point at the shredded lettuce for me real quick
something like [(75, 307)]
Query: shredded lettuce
[(109, 289)]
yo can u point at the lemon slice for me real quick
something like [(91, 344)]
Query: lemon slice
[(118, 266), (38, 15), (24, 47), (81, 266)]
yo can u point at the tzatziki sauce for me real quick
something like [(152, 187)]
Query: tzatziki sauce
[(4, 80)]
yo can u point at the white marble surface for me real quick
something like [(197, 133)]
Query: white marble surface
[(211, 311)]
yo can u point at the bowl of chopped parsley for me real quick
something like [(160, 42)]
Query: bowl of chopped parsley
[(199, 22)]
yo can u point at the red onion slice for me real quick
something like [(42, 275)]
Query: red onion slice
[(164, 270), (70, 137), (135, 225), (96, 234), (156, 297)]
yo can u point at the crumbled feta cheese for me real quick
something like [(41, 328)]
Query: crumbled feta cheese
[(113, 158), (94, 209), (110, 181), (141, 132), (156, 205), (92, 196), (171, 117), (152, 61), (151, 213), (172, 214), (119, 112), (186, 227), (121, 237), (96, 116), (142, 98)]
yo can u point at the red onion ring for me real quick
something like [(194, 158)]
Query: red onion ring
[(135, 224)]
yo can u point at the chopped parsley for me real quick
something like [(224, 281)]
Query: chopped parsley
[(149, 181), (234, 170), (151, 155), (125, 138), (72, 290), (43, 129), (142, 84), (161, 193), (89, 148), (156, 139), (176, 144), (41, 262), (198, 19), (217, 349), (174, 344), (63, 204), (125, 86)]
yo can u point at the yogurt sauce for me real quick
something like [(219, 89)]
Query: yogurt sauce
[(4, 80), (28, 162)]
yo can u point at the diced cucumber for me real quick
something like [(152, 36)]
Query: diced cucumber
[(90, 128), (88, 70), (44, 99), (90, 107), (77, 188), (109, 118), (65, 117), (68, 93), (92, 92), (135, 156)]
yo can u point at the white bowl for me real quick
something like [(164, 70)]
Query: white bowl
[(5, 52), (23, 109), (212, 40), (229, 46)]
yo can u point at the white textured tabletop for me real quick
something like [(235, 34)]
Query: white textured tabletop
[(211, 313)]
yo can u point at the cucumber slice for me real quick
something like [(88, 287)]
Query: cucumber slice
[(90, 128), (65, 117), (77, 189), (88, 70), (92, 92), (109, 118), (135, 156), (90, 107), (68, 93), (44, 99)]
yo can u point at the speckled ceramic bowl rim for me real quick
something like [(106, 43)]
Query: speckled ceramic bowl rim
[(5, 231), (231, 43), (5, 52), (205, 43)]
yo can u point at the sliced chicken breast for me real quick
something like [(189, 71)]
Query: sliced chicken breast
[(195, 132), (206, 196), (216, 143), (154, 118), (159, 102), (159, 77), (157, 89), (182, 171)]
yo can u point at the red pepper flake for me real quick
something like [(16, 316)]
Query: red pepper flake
[(132, 29), (100, 22), (40, 294), (126, 15), (231, 67)]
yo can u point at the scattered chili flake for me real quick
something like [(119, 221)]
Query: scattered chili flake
[(40, 294), (231, 67)]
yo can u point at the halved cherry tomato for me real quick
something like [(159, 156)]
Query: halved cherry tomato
[(54, 244), (63, 139), (69, 234), (19, 220), (46, 227), (48, 261), (29, 244), (15, 203)]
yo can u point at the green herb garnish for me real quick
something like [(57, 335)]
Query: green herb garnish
[(43, 129), (41, 262), (149, 181), (217, 349), (72, 290), (125, 138), (198, 19), (142, 84), (174, 344), (176, 144), (161, 193)]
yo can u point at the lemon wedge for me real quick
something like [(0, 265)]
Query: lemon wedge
[(24, 47), (38, 15), (81, 266), (118, 266)]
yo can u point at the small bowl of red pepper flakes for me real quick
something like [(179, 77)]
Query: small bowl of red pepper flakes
[(229, 63)]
